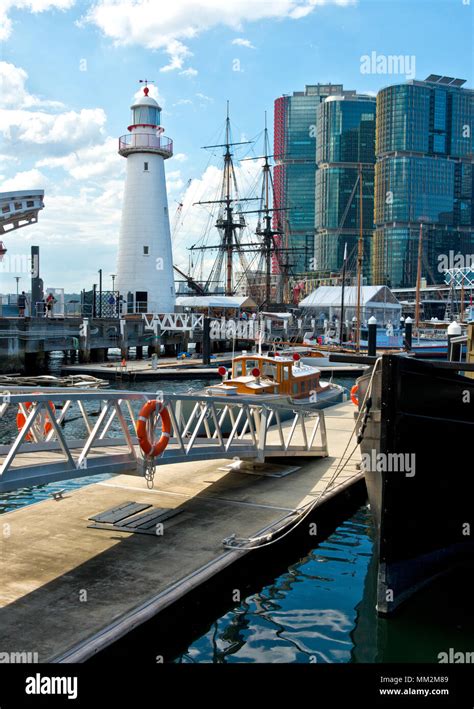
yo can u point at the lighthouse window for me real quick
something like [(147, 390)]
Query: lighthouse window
[(146, 251), (30, 203), (145, 166)]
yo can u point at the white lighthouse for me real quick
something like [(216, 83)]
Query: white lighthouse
[(145, 260)]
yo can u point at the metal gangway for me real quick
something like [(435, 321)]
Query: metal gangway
[(69, 433)]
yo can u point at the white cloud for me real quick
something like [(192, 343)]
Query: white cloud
[(189, 72), (174, 181), (10, 158), (32, 6), (91, 162), (26, 180), (178, 52), (53, 133), (14, 92), (183, 102), (203, 97), (153, 93), (180, 157), (138, 22), (241, 42), (28, 122)]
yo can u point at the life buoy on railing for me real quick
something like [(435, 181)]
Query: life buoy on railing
[(354, 397), (21, 420), (146, 411)]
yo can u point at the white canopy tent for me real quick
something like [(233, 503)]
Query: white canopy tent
[(208, 302), (377, 301)]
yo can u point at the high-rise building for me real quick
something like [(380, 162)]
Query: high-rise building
[(345, 157), (295, 167), (423, 174)]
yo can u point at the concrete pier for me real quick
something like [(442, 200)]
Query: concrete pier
[(69, 590)]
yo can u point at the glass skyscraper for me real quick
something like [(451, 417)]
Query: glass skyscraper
[(423, 173), (345, 146), (295, 137)]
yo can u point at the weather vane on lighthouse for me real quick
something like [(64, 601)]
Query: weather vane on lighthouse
[(146, 82)]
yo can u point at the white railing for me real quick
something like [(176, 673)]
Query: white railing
[(140, 141), (203, 427)]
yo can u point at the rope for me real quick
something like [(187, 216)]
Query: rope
[(301, 513)]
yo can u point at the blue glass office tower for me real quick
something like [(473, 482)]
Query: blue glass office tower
[(423, 173), (295, 138), (345, 148)]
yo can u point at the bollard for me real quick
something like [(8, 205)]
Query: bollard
[(408, 333), (372, 344), (454, 348)]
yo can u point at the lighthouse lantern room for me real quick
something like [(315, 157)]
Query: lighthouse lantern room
[(145, 261)]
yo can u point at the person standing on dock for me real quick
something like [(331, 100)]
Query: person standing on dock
[(22, 302), (50, 301)]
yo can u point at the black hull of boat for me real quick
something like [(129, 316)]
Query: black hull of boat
[(422, 503)]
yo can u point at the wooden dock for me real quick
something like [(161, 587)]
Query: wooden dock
[(69, 590), (179, 370), (139, 370)]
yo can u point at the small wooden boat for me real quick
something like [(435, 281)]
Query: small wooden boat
[(277, 376)]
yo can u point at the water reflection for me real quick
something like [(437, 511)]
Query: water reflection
[(306, 615)]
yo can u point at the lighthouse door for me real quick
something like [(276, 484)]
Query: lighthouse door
[(141, 300)]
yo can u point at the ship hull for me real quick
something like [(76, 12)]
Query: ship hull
[(416, 451)]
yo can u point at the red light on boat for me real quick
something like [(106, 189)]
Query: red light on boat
[(296, 357), (255, 372), (222, 371)]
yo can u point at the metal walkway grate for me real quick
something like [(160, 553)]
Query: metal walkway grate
[(131, 517)]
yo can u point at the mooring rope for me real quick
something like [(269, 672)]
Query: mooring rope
[(302, 513)]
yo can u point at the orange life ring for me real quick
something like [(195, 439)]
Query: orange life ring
[(146, 411), (354, 397), (21, 420)]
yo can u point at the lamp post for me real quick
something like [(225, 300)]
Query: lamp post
[(100, 292), (17, 279), (114, 306)]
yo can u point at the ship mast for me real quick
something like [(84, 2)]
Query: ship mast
[(226, 222), (418, 279), (267, 233), (360, 257)]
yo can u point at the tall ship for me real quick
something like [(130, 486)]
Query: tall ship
[(243, 250)]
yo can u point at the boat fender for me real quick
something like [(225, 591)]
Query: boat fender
[(149, 448)]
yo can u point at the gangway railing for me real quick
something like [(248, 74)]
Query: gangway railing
[(69, 434)]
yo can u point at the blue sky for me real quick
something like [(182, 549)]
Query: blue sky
[(69, 70)]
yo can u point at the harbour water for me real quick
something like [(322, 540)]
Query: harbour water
[(318, 608)]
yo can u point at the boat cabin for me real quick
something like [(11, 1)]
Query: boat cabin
[(260, 374)]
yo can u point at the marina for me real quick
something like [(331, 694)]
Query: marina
[(209, 502), (236, 352)]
